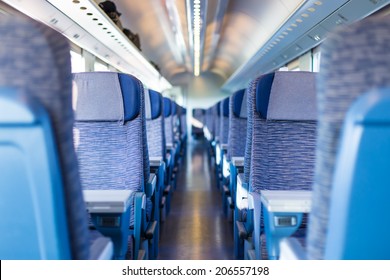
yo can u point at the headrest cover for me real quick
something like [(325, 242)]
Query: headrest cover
[(240, 104), (219, 108), (167, 107), (174, 108), (106, 96), (153, 105), (225, 107), (287, 96)]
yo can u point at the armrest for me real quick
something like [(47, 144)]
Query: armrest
[(287, 201), (155, 161), (107, 201), (157, 167), (238, 161), (254, 202), (241, 192), (226, 166), (110, 213), (283, 212), (242, 232), (291, 249), (151, 229), (169, 146), (151, 186)]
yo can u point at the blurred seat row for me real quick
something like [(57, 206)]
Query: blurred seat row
[(301, 158), (87, 175)]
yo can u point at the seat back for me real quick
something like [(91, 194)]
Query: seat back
[(260, 82), (217, 120), (155, 124), (175, 121), (168, 121), (183, 122), (209, 118), (363, 49), (42, 208), (237, 124), (360, 189), (224, 121), (284, 132), (110, 131)]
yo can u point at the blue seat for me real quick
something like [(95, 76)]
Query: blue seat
[(223, 132), (171, 150), (183, 125), (283, 146), (346, 218), (235, 155), (209, 125), (176, 126), (42, 209), (111, 145), (221, 152), (217, 120), (217, 144), (243, 225), (243, 219), (157, 155)]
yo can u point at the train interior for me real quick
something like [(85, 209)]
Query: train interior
[(194, 129)]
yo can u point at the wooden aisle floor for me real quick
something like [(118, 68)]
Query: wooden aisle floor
[(196, 228)]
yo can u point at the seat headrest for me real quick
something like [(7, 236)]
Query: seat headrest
[(167, 107), (287, 96), (240, 104), (174, 108), (225, 107), (106, 96), (218, 105), (153, 105)]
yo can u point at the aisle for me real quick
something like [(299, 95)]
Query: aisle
[(196, 228)]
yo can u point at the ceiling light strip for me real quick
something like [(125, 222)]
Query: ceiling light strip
[(196, 31)]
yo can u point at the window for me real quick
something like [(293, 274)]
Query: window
[(316, 59), (77, 62), (100, 66)]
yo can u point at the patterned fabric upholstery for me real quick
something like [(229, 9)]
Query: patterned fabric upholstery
[(216, 119), (251, 93), (237, 124), (176, 121), (112, 154), (283, 145), (155, 125), (183, 122), (36, 60), (168, 121), (363, 49), (282, 119), (210, 121), (224, 121)]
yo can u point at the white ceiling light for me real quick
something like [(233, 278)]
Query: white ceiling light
[(196, 11)]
